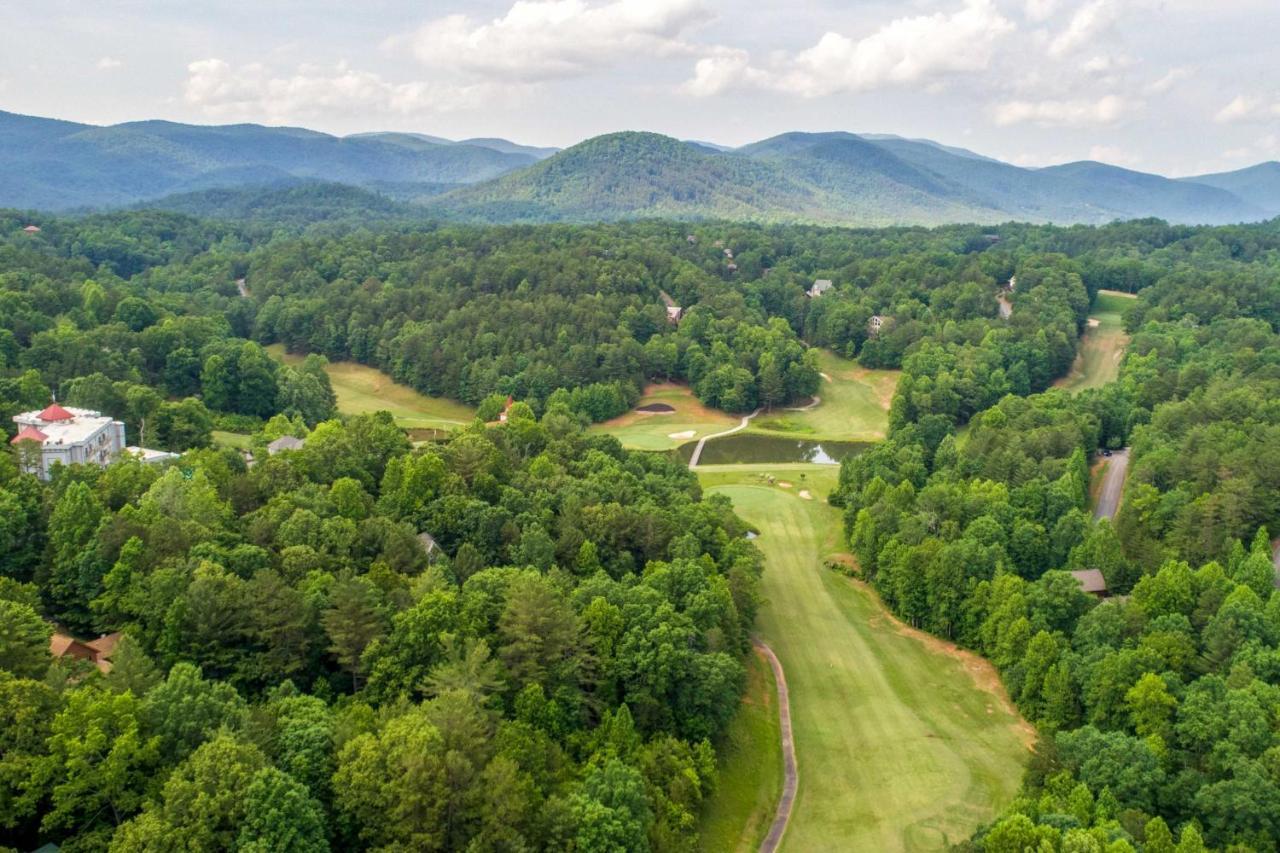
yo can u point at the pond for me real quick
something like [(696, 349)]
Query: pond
[(744, 448)]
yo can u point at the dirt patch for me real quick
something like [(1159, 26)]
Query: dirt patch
[(1093, 322), (804, 493), (656, 409), (981, 670), (783, 484)]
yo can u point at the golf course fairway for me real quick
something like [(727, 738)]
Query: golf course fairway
[(903, 742)]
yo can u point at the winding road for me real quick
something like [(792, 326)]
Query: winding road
[(1112, 485), (697, 451), (790, 778)]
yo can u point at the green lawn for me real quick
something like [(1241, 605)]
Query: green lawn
[(738, 814), (238, 440), (1102, 344), (854, 407), (690, 421), (903, 742), (361, 390)]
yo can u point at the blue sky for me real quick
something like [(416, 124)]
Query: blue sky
[(1172, 86)]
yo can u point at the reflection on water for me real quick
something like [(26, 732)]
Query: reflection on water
[(745, 448)]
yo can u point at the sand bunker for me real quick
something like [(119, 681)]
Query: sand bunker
[(784, 484), (1094, 322), (804, 493), (656, 409), (680, 436)]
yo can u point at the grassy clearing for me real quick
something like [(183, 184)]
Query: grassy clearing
[(690, 421), (738, 815), (854, 407), (362, 390), (238, 440), (1102, 344), (903, 742)]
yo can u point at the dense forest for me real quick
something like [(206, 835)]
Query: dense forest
[(524, 637)]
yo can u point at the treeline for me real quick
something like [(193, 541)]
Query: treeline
[(545, 669)]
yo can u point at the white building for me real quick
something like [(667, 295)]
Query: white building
[(69, 436), (820, 287)]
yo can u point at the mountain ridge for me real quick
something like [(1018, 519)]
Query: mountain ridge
[(833, 177)]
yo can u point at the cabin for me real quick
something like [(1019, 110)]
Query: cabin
[(728, 253), (875, 324), (692, 239), (285, 442), (674, 313), (1091, 581), (820, 287), (1012, 284), (731, 267), (98, 652), (31, 229)]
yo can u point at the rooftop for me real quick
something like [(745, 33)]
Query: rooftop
[(61, 425), (1090, 580)]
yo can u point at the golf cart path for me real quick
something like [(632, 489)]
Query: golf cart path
[(697, 451), (789, 775)]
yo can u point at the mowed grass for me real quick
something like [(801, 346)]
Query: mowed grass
[(690, 421), (237, 440), (903, 742), (737, 816), (1102, 344), (854, 407), (362, 390)]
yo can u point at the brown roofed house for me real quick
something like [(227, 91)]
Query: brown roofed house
[(98, 651), (1091, 581)]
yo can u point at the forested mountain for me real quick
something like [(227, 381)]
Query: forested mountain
[(835, 178), (53, 165), (1258, 185), (828, 177)]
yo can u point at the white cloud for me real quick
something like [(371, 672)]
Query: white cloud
[(1086, 24), (542, 39), (1247, 108), (109, 63), (255, 91), (1041, 10), (916, 49), (1171, 78), (1068, 113)]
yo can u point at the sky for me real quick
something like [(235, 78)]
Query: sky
[(1176, 87)]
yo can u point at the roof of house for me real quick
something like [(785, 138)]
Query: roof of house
[(1091, 580), (105, 644), (427, 541), (32, 229), (285, 442), (150, 455), (54, 412), (29, 433), (99, 651)]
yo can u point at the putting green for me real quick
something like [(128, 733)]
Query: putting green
[(687, 421), (362, 390), (1101, 345), (854, 407), (903, 742)]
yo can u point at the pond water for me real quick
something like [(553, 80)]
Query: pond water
[(744, 448)]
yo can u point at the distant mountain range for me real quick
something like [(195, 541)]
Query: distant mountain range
[(868, 179)]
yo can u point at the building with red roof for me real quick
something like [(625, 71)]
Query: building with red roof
[(67, 436)]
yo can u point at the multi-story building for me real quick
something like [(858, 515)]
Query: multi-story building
[(66, 435)]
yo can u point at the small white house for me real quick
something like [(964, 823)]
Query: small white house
[(284, 442), (820, 287), (875, 324), (674, 313)]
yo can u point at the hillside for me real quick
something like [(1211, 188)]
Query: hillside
[(54, 165), (1258, 185)]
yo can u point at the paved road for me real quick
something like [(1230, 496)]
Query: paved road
[(790, 778), (697, 451), (1112, 485)]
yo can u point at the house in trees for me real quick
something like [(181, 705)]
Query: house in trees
[(674, 313), (31, 229), (429, 545), (98, 652), (874, 325), (285, 442), (820, 287), (67, 436), (1091, 581), (506, 409)]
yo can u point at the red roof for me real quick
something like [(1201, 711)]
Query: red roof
[(55, 413), (29, 433), (32, 229)]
